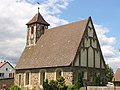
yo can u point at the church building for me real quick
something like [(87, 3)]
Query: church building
[(60, 51)]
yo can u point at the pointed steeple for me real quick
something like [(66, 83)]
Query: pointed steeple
[(38, 19)]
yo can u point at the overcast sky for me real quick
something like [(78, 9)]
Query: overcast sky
[(14, 14)]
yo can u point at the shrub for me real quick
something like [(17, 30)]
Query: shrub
[(79, 81), (70, 87), (58, 84), (15, 87)]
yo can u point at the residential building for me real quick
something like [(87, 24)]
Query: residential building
[(116, 78), (6, 70)]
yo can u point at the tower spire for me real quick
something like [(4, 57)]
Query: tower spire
[(38, 9)]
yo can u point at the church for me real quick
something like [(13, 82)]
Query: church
[(60, 51)]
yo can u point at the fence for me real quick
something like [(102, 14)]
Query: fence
[(101, 88)]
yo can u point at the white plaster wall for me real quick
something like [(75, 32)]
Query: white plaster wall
[(83, 57), (6, 73), (77, 61), (90, 57), (94, 43), (87, 42), (102, 64), (90, 32), (97, 59)]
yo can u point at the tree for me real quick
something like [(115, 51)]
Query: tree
[(109, 73), (46, 85), (58, 84), (15, 87), (79, 81), (97, 81)]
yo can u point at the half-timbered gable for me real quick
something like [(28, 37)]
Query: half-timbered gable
[(89, 52)]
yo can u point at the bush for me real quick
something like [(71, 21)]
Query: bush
[(15, 87), (79, 81), (70, 87), (46, 85), (58, 84)]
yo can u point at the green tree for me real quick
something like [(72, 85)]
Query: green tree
[(46, 85), (97, 79), (58, 84), (79, 81), (15, 87), (61, 83), (109, 73)]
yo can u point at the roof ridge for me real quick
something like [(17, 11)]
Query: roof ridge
[(67, 24)]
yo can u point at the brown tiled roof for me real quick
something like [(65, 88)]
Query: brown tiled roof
[(117, 75), (2, 63), (38, 19), (57, 47)]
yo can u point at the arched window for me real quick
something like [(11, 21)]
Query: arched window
[(58, 73), (27, 78), (42, 77), (20, 79)]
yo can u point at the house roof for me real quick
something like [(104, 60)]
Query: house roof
[(5, 62), (116, 76), (2, 63), (38, 19), (57, 47)]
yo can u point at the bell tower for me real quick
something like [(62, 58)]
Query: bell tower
[(35, 29)]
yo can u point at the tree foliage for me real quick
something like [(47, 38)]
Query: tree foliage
[(79, 81), (58, 84), (15, 87), (97, 81), (109, 73)]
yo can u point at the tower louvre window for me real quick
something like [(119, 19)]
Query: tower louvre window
[(32, 30)]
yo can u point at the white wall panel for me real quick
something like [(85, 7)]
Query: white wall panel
[(90, 57), (83, 57), (97, 59)]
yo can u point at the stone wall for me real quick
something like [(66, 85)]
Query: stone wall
[(90, 74), (50, 75), (69, 73)]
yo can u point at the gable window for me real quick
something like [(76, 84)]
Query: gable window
[(27, 78), (6, 69), (20, 79), (58, 73), (42, 77)]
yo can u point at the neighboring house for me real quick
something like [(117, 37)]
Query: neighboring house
[(60, 51), (116, 78), (6, 70)]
